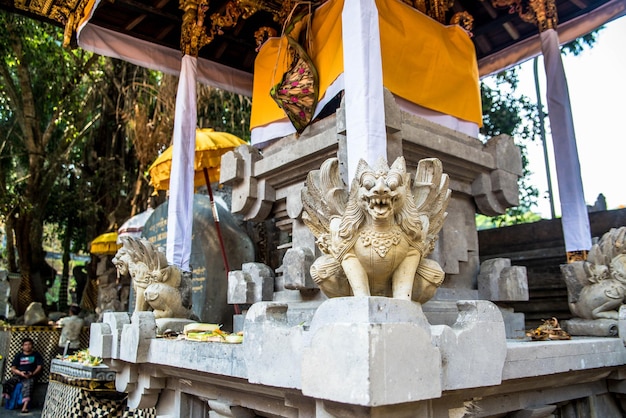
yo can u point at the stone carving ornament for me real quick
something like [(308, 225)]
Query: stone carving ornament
[(158, 286), (376, 237), (597, 287)]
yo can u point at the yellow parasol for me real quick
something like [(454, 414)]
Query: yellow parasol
[(105, 244), (210, 146)]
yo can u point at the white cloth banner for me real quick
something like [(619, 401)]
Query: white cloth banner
[(180, 206), (363, 78), (156, 57), (574, 216)]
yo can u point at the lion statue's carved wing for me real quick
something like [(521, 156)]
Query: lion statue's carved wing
[(431, 195), (324, 197), (610, 245)]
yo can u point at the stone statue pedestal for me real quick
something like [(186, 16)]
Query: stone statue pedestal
[(359, 353)]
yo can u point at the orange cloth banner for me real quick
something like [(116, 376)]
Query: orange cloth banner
[(424, 62)]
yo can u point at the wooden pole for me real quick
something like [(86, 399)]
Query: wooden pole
[(216, 219)]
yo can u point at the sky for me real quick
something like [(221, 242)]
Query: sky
[(597, 87)]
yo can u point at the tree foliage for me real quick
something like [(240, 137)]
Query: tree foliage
[(224, 111), (46, 109), (78, 133)]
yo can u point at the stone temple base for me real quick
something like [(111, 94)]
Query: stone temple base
[(358, 357)]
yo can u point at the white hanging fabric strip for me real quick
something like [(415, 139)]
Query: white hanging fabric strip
[(575, 219), (180, 206), (157, 57), (363, 75)]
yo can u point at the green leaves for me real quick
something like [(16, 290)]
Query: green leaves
[(507, 112)]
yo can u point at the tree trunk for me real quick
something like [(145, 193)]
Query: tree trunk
[(21, 226), (65, 277), (36, 274), (67, 241), (11, 259)]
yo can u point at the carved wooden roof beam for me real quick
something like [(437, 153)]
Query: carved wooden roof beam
[(541, 13), (67, 12)]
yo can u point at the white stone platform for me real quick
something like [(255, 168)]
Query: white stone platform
[(358, 357)]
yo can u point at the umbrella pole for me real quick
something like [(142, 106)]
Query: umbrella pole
[(216, 218)]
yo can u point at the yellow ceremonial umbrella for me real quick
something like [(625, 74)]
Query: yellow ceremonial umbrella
[(210, 146), (105, 244)]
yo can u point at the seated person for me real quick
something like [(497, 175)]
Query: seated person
[(72, 326), (26, 365)]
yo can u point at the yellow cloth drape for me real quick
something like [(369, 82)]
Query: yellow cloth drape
[(424, 62)]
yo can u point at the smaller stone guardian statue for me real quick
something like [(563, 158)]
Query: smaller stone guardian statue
[(375, 238), (158, 286), (597, 287)]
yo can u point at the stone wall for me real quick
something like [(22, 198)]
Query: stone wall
[(539, 247)]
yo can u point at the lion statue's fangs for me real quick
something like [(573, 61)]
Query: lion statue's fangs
[(375, 238)]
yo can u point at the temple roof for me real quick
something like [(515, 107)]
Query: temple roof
[(501, 38)]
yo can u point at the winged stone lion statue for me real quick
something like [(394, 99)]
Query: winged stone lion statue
[(158, 286), (376, 237)]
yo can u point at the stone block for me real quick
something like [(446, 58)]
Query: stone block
[(591, 327), (263, 278), (105, 337), (513, 284), (296, 269), (272, 346), (301, 235), (101, 340), (541, 358), (507, 155), (238, 321), (359, 352), (240, 287), (514, 323), (136, 337), (499, 281), (231, 168), (479, 329)]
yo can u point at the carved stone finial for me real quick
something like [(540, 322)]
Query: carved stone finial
[(541, 13), (375, 239)]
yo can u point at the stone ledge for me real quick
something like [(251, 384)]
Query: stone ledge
[(205, 357), (538, 358)]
